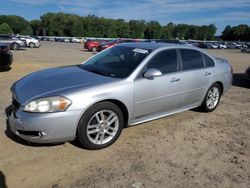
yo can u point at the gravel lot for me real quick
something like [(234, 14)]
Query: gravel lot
[(189, 149)]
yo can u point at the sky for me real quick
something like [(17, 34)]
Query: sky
[(197, 12)]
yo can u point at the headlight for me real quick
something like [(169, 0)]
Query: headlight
[(49, 104)]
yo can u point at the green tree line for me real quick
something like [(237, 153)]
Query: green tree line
[(240, 32), (61, 24)]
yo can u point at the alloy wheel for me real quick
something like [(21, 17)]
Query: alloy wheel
[(213, 97), (102, 127)]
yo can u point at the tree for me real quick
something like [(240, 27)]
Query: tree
[(61, 24), (5, 29), (167, 31), (240, 32), (136, 28), (17, 23), (153, 30), (180, 31), (36, 26)]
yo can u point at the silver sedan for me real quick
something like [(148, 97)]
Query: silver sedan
[(122, 86)]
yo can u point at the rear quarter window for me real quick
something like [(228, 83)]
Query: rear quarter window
[(209, 62), (191, 59)]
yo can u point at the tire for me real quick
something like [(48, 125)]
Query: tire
[(94, 49), (94, 131), (212, 98), (244, 51), (31, 45), (15, 46)]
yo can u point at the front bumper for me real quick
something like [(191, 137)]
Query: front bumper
[(43, 128), (37, 44)]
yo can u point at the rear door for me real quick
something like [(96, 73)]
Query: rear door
[(195, 77)]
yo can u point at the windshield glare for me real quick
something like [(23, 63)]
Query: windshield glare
[(118, 61)]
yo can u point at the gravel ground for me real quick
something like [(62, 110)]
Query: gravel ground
[(189, 149)]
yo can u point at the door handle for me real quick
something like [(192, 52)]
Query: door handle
[(208, 73), (175, 80)]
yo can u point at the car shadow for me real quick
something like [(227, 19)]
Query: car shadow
[(239, 81), (84, 50), (5, 69), (2, 180), (21, 49)]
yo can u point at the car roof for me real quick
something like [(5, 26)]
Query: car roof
[(154, 46)]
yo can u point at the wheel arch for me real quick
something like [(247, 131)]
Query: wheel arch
[(119, 104), (221, 85), (122, 107)]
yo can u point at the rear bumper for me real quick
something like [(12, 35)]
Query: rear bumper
[(43, 128)]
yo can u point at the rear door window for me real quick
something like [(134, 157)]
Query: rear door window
[(191, 59)]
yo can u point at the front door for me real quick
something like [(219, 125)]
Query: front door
[(159, 94)]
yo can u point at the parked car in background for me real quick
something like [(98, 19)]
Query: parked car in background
[(14, 43), (222, 46), (203, 45), (30, 42), (95, 100), (237, 45), (246, 49), (247, 74), (66, 40), (94, 45), (58, 39), (230, 45), (212, 45), (77, 40), (6, 57)]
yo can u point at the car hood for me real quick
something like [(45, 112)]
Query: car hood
[(55, 81)]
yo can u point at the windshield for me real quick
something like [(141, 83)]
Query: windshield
[(118, 62)]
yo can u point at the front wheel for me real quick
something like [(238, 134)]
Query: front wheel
[(100, 126), (212, 98), (94, 49), (32, 45)]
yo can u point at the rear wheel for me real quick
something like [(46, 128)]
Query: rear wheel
[(15, 46), (212, 98), (100, 126)]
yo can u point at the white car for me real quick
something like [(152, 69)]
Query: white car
[(30, 42), (77, 40), (15, 43), (212, 45), (222, 46)]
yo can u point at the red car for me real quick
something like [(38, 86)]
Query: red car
[(94, 45)]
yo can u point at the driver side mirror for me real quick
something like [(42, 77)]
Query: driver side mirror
[(152, 73)]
